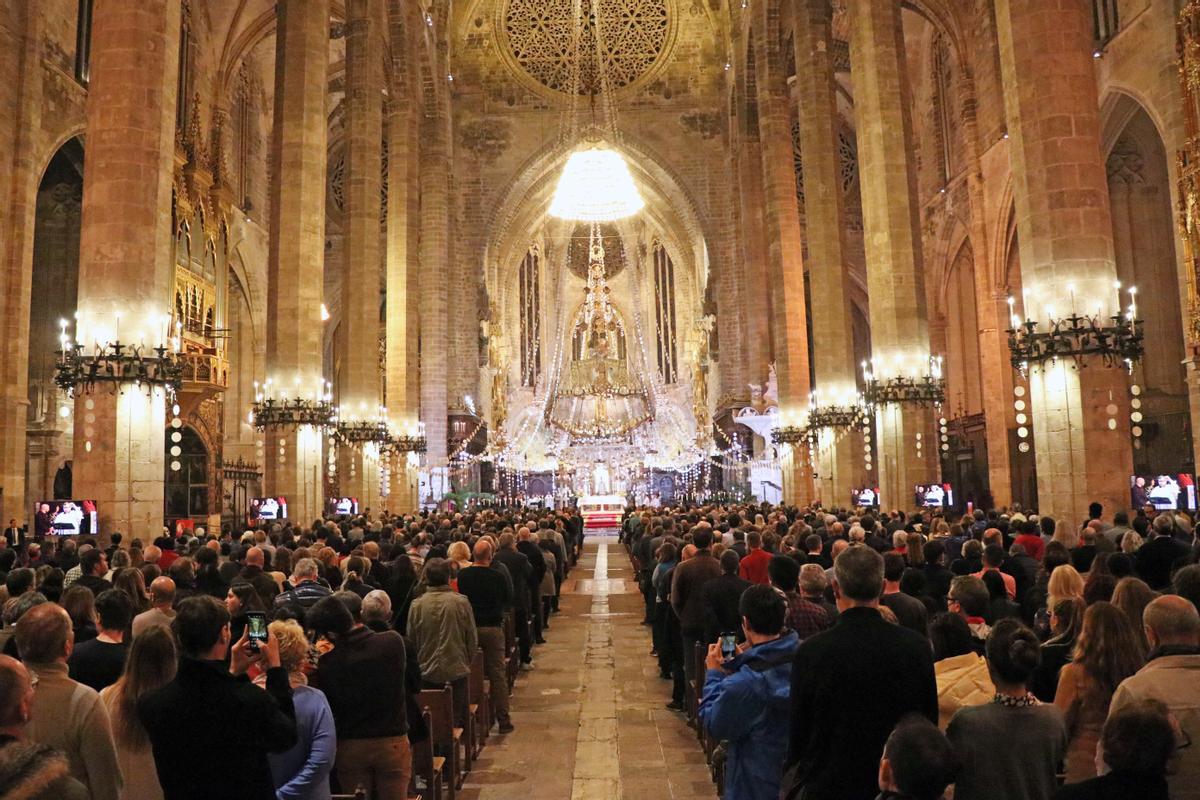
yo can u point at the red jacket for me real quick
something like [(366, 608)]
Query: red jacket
[(753, 566)]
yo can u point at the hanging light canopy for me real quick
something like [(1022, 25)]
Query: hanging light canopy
[(596, 186)]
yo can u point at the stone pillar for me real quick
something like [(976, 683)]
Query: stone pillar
[(20, 54), (434, 296), (833, 359), (359, 379), (125, 270), (895, 274), (785, 265), (1065, 226), (295, 265), (401, 368)]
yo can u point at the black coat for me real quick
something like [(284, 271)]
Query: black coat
[(1155, 559), (721, 597), (237, 723), (521, 572), (850, 686), (533, 553)]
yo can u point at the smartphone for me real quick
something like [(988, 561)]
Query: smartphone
[(728, 646), (256, 629)]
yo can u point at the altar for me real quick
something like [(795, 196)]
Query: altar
[(601, 511)]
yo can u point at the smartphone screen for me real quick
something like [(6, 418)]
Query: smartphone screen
[(728, 645), (256, 629)]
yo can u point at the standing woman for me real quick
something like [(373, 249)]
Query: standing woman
[(151, 663), (1107, 652), (668, 557), (240, 599)]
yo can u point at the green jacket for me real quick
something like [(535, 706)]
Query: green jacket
[(441, 626)]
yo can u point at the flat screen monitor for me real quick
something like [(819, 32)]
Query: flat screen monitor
[(933, 495), (343, 506), (866, 497), (65, 517), (1175, 491), (268, 508)]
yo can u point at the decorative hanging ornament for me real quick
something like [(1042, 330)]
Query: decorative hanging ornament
[(596, 186)]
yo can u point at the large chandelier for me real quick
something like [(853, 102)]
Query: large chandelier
[(595, 185), (599, 398)]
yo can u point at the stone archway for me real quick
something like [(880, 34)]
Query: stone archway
[(53, 298)]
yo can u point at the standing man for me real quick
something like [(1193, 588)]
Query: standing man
[(162, 606), (519, 569), (14, 535), (838, 729), (441, 627), (687, 598), (489, 594), (527, 546), (93, 566)]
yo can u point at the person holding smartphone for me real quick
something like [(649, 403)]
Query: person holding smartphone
[(209, 702), (746, 695)]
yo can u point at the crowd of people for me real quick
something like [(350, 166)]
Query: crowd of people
[(849, 654), (279, 662)]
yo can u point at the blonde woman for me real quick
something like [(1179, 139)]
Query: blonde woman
[(1065, 582), (1131, 542), (460, 554), (302, 771), (151, 663)]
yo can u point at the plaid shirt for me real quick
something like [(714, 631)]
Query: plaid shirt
[(804, 616)]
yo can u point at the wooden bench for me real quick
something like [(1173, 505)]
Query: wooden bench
[(445, 736), (426, 765), (479, 702)]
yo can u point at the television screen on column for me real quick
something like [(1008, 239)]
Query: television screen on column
[(934, 495), (1174, 491), (343, 506), (866, 497), (65, 517), (268, 508)]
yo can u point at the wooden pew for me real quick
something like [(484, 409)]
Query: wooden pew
[(445, 736), (479, 702), (426, 765)]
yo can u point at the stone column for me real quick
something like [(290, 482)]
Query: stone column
[(1065, 226), (401, 368), (295, 265), (20, 54), (895, 274), (359, 379), (434, 295), (785, 265), (125, 270), (833, 359)]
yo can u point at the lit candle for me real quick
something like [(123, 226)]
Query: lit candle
[(1117, 286), (1071, 294)]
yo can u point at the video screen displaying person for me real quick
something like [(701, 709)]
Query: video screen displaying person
[(343, 506), (268, 508), (1163, 492), (934, 495), (65, 517), (867, 497)]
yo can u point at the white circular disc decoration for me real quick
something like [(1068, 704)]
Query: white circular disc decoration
[(945, 447), (1135, 390), (89, 418), (89, 404), (1112, 424), (1019, 391), (918, 435), (1136, 416), (1022, 419), (175, 410), (1019, 405), (1111, 409), (1137, 430), (87, 446), (177, 423), (178, 437), (176, 451), (1023, 447), (176, 466), (1022, 432), (1135, 403)]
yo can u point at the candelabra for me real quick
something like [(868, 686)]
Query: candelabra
[(115, 363), (834, 417), (410, 441), (790, 434), (363, 431), (240, 470), (928, 388), (1076, 337)]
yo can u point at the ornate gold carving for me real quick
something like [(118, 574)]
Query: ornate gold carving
[(1189, 163)]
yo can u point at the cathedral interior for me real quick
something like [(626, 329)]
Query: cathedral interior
[(671, 250)]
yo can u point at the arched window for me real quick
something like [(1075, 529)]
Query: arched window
[(242, 132), (664, 313), (187, 486), (530, 311), (943, 107)]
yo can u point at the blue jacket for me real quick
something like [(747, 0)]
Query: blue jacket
[(749, 707)]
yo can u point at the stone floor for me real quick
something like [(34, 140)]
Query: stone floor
[(590, 722)]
